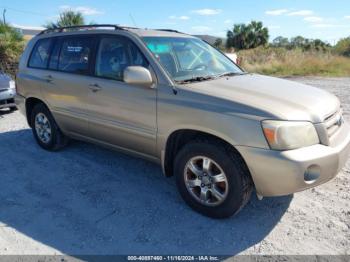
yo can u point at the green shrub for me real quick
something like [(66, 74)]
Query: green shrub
[(283, 62), (11, 43), (343, 47)]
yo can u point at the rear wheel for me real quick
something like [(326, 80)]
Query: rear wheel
[(13, 108), (212, 179), (45, 129)]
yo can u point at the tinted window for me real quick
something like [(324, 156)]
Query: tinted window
[(115, 55), (40, 55), (75, 55), (137, 57), (53, 64)]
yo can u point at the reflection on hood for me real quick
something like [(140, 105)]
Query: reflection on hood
[(5, 77)]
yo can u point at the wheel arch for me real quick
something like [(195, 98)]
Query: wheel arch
[(30, 103), (178, 138)]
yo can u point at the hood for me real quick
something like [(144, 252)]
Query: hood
[(4, 81), (286, 100)]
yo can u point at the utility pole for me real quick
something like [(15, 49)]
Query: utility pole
[(4, 16)]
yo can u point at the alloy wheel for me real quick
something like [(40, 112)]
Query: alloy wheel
[(206, 181), (43, 128)]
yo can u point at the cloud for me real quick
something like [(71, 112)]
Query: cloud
[(347, 17), (201, 29), (313, 19), (276, 12), (301, 13), (28, 27), (183, 17), (228, 21), (327, 25), (207, 11), (85, 10)]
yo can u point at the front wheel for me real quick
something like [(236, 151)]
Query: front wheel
[(212, 179), (45, 129)]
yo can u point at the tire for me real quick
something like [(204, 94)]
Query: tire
[(13, 108), (57, 140), (238, 184)]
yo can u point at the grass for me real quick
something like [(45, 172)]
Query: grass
[(282, 62)]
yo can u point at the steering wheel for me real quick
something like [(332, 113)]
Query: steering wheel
[(200, 67)]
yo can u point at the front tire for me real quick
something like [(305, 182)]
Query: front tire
[(212, 178), (45, 129)]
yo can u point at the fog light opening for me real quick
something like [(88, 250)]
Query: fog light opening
[(312, 174)]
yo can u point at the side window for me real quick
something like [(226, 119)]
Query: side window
[(75, 55), (40, 54), (115, 55), (112, 58), (53, 64), (137, 58)]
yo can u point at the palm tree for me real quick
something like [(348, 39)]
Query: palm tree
[(259, 34), (67, 18), (218, 43), (247, 36)]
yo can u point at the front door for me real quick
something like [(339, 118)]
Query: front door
[(119, 113)]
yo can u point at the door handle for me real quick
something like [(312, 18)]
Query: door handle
[(49, 78), (95, 87)]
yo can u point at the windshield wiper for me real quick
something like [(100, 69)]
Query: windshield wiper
[(230, 74), (205, 78), (196, 79)]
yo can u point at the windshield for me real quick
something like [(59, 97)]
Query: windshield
[(190, 58)]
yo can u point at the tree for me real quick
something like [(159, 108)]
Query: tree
[(343, 46), (319, 45), (11, 43), (218, 43), (281, 41), (247, 36), (300, 42), (67, 18)]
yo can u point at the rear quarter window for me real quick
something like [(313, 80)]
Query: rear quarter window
[(40, 54)]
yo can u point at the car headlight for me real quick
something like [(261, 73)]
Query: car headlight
[(287, 135), (12, 84)]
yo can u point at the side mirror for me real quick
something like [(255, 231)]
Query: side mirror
[(138, 75)]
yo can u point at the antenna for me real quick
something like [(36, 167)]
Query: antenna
[(132, 19), (4, 16)]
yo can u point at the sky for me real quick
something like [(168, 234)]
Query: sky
[(328, 20)]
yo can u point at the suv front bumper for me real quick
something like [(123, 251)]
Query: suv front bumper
[(277, 173)]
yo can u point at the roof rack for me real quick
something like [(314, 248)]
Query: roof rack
[(169, 30), (78, 27)]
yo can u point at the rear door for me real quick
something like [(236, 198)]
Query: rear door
[(33, 76), (121, 114), (68, 80)]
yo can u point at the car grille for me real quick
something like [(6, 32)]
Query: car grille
[(334, 122)]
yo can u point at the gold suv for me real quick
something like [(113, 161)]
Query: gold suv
[(174, 99)]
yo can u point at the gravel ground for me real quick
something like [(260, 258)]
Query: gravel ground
[(89, 200)]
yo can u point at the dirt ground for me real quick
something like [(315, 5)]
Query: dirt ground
[(89, 200)]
